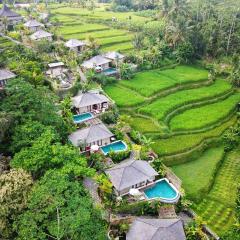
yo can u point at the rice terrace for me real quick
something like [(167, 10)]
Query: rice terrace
[(120, 119)]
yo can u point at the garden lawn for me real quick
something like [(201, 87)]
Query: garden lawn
[(150, 82), (182, 143), (218, 208), (123, 97), (198, 174), (204, 116), (162, 106)]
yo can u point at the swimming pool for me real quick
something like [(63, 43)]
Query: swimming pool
[(82, 117), (162, 190), (116, 146), (110, 71)]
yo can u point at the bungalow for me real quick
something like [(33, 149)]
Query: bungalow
[(115, 58), (97, 134), (12, 17), (33, 25), (41, 35), (130, 174), (156, 229), (56, 69), (76, 45), (5, 75), (90, 102), (96, 62)]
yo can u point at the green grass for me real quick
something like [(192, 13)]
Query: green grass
[(197, 118), (123, 96), (164, 105), (150, 82), (143, 124), (183, 143), (196, 175), (218, 208)]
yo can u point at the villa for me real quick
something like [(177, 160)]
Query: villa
[(13, 18), (156, 229), (131, 174), (97, 134), (76, 45), (41, 35), (5, 76), (97, 63), (56, 69), (115, 58), (33, 25), (90, 102)]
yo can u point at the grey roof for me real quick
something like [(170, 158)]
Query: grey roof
[(75, 43), (40, 34), (6, 74), (88, 98), (114, 55), (33, 23), (156, 229), (130, 172), (95, 61), (7, 12), (55, 64), (91, 134)]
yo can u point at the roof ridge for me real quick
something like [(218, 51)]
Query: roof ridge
[(137, 168), (163, 227)]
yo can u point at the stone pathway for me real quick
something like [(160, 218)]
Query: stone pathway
[(92, 187), (83, 77)]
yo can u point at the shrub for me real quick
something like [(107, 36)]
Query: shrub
[(121, 8), (119, 156), (140, 208), (110, 117)]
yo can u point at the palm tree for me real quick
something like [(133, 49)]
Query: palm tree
[(146, 141)]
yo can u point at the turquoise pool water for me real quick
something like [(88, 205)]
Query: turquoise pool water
[(82, 117), (161, 189), (110, 71), (115, 146)]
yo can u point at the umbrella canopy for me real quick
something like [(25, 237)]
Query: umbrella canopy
[(94, 148)]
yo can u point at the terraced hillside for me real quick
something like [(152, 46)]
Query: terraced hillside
[(84, 23), (5, 43), (183, 112)]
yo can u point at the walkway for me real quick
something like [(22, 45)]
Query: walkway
[(83, 77), (92, 187)]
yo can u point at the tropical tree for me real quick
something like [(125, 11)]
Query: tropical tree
[(47, 153), (67, 114), (14, 188), (59, 208), (126, 71)]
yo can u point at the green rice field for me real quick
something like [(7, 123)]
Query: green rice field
[(183, 112), (84, 23), (5, 43), (206, 115), (164, 105), (197, 175), (217, 208), (150, 82)]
